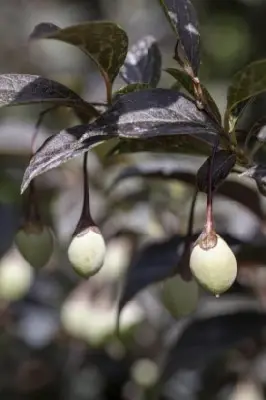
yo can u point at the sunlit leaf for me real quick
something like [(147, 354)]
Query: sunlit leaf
[(57, 150), (186, 82), (153, 113), (183, 19), (132, 87), (21, 89), (143, 63), (247, 83), (104, 42)]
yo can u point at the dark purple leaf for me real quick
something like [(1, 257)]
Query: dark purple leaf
[(155, 112), (143, 63), (58, 149), (185, 171), (223, 163), (156, 262), (104, 42), (142, 115), (187, 83), (203, 340), (183, 19), (21, 89), (198, 144)]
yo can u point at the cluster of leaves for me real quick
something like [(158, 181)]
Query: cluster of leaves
[(145, 118)]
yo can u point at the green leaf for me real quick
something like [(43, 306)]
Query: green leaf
[(22, 89), (104, 42), (183, 19), (185, 80), (132, 87), (246, 84)]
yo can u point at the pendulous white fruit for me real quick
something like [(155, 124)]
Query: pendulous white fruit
[(215, 268), (16, 277), (86, 252), (35, 243), (179, 297)]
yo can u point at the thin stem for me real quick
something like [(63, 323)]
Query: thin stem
[(31, 210), (203, 104), (86, 192), (85, 220), (209, 214), (37, 126)]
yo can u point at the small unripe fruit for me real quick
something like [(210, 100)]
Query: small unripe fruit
[(214, 267), (86, 252), (35, 242), (16, 277), (179, 297)]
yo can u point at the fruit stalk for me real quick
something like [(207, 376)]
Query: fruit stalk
[(209, 226), (85, 220), (86, 251)]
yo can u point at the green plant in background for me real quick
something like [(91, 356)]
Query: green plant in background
[(140, 117)]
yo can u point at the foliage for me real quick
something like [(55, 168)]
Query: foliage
[(195, 146)]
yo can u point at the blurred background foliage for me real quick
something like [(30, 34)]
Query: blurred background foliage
[(59, 340)]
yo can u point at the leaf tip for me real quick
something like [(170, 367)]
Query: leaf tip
[(42, 30)]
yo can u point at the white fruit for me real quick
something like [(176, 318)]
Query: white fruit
[(116, 260), (86, 252), (35, 245), (100, 327), (145, 372), (16, 277), (216, 268), (94, 324), (74, 316), (179, 297)]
